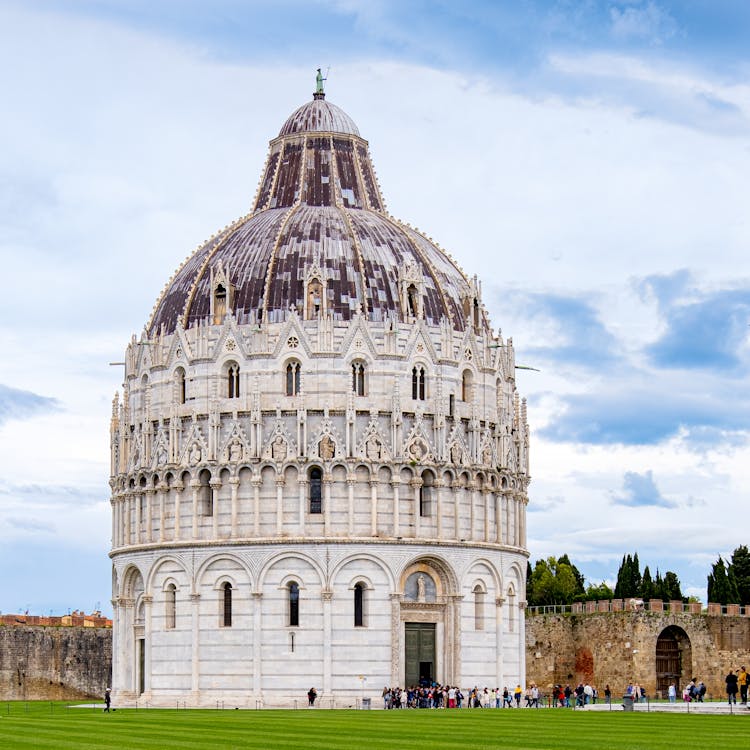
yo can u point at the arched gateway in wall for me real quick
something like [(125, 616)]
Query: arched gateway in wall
[(674, 662), (319, 459)]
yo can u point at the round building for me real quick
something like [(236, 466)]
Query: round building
[(320, 459)]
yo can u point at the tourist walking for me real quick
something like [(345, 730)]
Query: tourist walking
[(312, 694), (742, 679), (672, 692), (107, 700), (731, 682)]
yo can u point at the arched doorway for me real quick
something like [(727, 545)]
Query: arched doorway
[(427, 624), (674, 659)]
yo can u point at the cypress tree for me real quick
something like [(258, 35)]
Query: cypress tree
[(647, 585), (741, 567), (671, 587), (635, 577), (718, 583)]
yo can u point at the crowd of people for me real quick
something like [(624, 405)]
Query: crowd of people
[(435, 695), (430, 694)]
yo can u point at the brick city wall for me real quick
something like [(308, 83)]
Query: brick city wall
[(618, 647), (54, 663)]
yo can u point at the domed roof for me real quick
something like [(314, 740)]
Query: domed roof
[(319, 116), (318, 215)]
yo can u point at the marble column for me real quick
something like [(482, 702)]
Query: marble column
[(256, 482), (327, 481), (439, 485), (280, 482), (162, 491), (234, 484), (350, 481), (396, 519), (373, 507), (499, 668), (195, 601), (147, 602), (149, 514), (303, 490), (257, 643), (215, 507), (195, 486), (327, 596), (178, 488)]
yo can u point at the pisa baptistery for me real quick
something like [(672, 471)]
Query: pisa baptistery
[(319, 461)]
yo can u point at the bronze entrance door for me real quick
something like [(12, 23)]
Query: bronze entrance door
[(420, 652), (668, 663)]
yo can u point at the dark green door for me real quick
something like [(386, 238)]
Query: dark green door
[(420, 652)]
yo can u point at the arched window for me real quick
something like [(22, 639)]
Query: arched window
[(467, 381), (418, 383), (359, 605), (451, 405), (425, 494), (227, 605), (233, 380), (171, 607), (358, 378), (292, 378), (479, 595), (316, 490), (314, 298), (205, 493), (412, 300), (220, 304), (293, 590), (179, 382)]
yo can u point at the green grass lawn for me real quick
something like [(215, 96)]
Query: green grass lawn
[(45, 725)]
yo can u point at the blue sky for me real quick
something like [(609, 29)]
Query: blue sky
[(589, 160)]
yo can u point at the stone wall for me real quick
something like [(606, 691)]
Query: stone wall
[(618, 647), (54, 663)]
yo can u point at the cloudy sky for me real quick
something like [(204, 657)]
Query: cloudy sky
[(589, 159)]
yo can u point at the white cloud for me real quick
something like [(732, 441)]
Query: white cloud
[(648, 21), (130, 150)]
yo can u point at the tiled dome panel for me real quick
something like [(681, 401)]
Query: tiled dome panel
[(315, 236), (319, 116), (172, 303)]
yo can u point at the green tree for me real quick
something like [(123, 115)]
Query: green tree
[(635, 576), (671, 591), (628, 578), (647, 585), (721, 589), (621, 584), (741, 567), (565, 560), (600, 592), (553, 582), (529, 585)]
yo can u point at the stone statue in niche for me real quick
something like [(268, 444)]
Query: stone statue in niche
[(278, 448), (455, 454), (421, 595), (161, 456), (195, 454), (372, 448), (235, 451), (487, 455), (326, 448), (417, 450)]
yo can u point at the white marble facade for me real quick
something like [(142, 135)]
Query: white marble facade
[(293, 481)]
